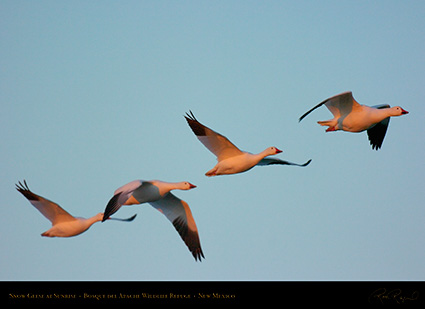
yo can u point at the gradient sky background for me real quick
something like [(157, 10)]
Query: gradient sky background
[(93, 95)]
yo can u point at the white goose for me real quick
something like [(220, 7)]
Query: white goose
[(231, 160), (157, 193), (351, 116), (63, 224)]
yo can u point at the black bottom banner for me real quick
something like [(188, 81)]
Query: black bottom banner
[(227, 292)]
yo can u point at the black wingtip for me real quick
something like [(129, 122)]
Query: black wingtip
[(304, 115), (190, 116), (375, 147), (112, 207), (198, 255), (197, 128), (132, 218), (122, 220), (376, 144), (20, 186), (25, 191), (307, 163)]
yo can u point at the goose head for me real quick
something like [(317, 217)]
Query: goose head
[(272, 151), (398, 111), (185, 185)]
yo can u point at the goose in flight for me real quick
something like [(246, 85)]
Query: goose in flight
[(63, 224), (157, 193), (351, 116), (231, 160)]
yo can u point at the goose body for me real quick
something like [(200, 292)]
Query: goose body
[(157, 194), (231, 160), (63, 224), (350, 116), (72, 228)]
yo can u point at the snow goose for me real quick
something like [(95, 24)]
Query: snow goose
[(63, 224), (231, 160), (351, 116), (157, 193)]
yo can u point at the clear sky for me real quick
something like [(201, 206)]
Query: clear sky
[(93, 95)]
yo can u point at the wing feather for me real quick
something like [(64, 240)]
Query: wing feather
[(49, 209), (339, 105), (215, 142), (112, 207), (376, 134), (179, 214), (270, 161), (135, 192)]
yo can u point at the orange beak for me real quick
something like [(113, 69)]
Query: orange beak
[(191, 186)]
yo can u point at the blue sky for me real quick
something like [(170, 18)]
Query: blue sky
[(93, 96)]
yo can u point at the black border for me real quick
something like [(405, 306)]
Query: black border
[(215, 292)]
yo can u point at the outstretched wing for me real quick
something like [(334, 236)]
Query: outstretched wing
[(270, 161), (50, 210), (178, 212), (215, 142), (340, 105), (376, 134), (135, 192)]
